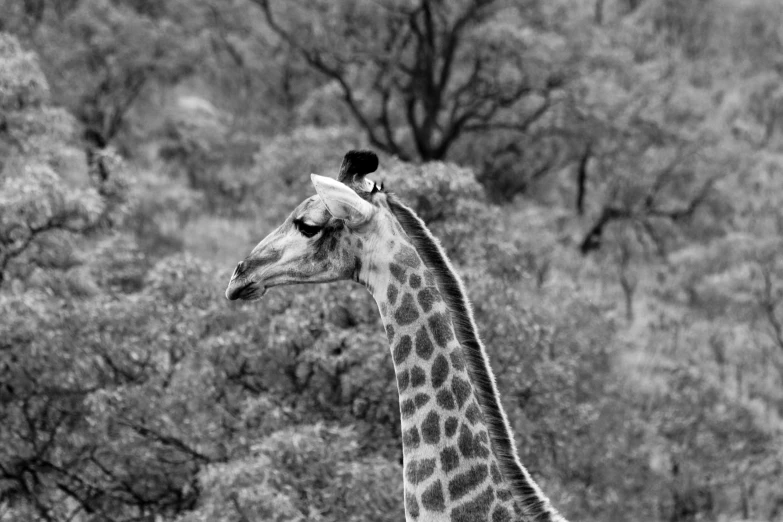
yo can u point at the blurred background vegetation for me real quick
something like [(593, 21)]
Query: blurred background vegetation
[(606, 174)]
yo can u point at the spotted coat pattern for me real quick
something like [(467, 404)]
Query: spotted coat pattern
[(449, 470)]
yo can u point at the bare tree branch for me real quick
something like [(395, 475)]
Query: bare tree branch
[(769, 303), (167, 440), (645, 209), (688, 210), (11, 251), (581, 179), (241, 512), (592, 240), (413, 72)]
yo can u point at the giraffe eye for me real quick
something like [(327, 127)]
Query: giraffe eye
[(305, 229)]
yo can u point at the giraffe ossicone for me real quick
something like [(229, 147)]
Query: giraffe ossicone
[(460, 462)]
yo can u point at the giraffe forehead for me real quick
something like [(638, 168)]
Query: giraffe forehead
[(313, 209)]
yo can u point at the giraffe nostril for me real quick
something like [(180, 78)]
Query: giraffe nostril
[(239, 269)]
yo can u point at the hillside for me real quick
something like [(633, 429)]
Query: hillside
[(606, 176)]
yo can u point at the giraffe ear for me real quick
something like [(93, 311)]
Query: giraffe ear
[(341, 201)]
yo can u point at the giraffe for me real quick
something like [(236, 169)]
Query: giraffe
[(459, 458)]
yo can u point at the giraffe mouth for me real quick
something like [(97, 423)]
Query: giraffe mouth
[(248, 291)]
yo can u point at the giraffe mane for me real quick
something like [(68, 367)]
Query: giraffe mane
[(530, 497)]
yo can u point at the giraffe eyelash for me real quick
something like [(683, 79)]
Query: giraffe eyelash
[(306, 229)]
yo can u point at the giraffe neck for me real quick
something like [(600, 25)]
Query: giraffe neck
[(450, 472)]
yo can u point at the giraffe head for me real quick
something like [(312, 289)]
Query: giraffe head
[(324, 239)]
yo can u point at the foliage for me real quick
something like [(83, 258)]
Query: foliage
[(45, 201), (438, 71), (627, 285), (103, 55), (311, 473)]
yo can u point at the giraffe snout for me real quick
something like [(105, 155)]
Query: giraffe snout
[(250, 279), (243, 284)]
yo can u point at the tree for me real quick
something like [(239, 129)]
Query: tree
[(39, 209), (102, 55), (418, 76), (644, 162)]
